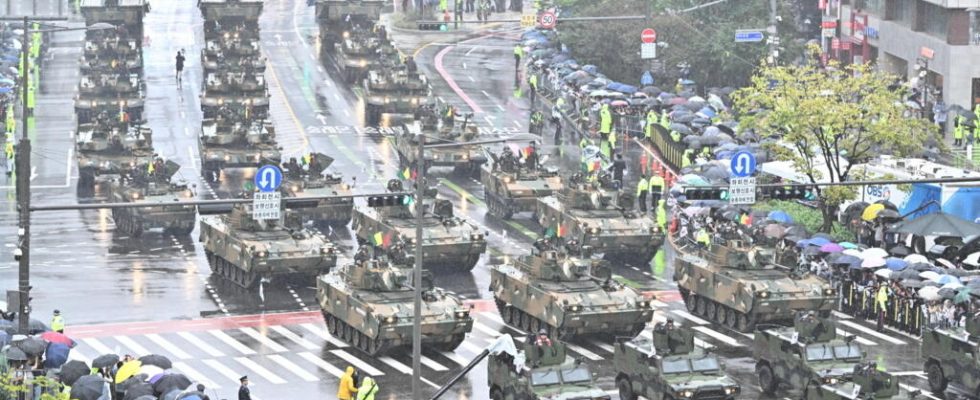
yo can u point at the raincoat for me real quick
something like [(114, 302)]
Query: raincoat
[(657, 184), (346, 389), (367, 390), (651, 119), (662, 214), (642, 186), (605, 119)]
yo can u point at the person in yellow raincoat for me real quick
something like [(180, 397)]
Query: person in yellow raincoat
[(346, 389)]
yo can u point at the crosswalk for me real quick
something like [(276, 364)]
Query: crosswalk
[(305, 353)]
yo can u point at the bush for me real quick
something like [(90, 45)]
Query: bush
[(809, 218)]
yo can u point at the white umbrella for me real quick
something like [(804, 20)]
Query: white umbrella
[(972, 259), (884, 273), (873, 262), (916, 259), (929, 293), (853, 252), (874, 253), (930, 275), (952, 285)]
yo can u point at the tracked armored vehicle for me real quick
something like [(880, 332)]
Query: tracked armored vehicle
[(232, 39), (393, 89), (107, 146), (439, 129), (243, 250), (364, 47), (448, 242), (560, 289), (510, 186), (532, 371), (668, 366), (233, 139), (738, 285), (119, 94), (953, 357), (312, 180), (595, 214), (811, 357), (152, 183), (369, 305), (336, 17)]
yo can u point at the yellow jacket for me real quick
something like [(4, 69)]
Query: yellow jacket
[(347, 389)]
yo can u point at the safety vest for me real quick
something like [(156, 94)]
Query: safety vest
[(612, 139), (882, 297), (662, 215), (651, 119), (57, 323), (656, 181), (958, 131), (605, 120), (641, 186), (533, 81), (686, 158), (675, 136), (664, 119), (703, 237), (583, 143), (9, 149), (518, 51)]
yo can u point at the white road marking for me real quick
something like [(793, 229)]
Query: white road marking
[(195, 375), (588, 354), (99, 348), (361, 365), (859, 339), (323, 334), (872, 332), (493, 317), (230, 341), (455, 357), (396, 365), (294, 337), (841, 315), (200, 344), (472, 348), (485, 329), (223, 370), (282, 361), (921, 392), (724, 338), (271, 344), (686, 315), (260, 370), (604, 346), (433, 364), (135, 348), (332, 370)]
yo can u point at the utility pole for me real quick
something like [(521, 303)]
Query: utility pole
[(773, 32), (417, 272), (23, 186)]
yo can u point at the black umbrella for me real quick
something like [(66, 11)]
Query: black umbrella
[(88, 387), (888, 205), (105, 361), (137, 390), (34, 326), (921, 267), (170, 382), (913, 283), (130, 382), (796, 230), (974, 283), (823, 235), (811, 250), (72, 370), (32, 346), (158, 360), (947, 293), (845, 259), (940, 224), (899, 251), (15, 354), (907, 273)]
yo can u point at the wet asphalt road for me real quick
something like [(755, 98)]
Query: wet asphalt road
[(96, 276)]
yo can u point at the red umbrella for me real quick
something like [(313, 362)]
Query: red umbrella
[(55, 337)]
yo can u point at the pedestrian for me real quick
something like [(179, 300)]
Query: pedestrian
[(518, 55), (368, 389), (558, 133), (958, 131), (243, 392), (642, 188), (470, 5), (939, 115), (532, 82), (58, 322), (9, 152), (619, 168), (657, 186), (180, 65), (444, 5), (459, 12), (881, 302), (662, 215), (200, 389), (347, 387), (650, 121), (605, 120)]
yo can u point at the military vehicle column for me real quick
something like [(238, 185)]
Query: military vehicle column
[(338, 16), (235, 131), (110, 137)]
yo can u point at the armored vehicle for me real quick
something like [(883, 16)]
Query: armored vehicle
[(310, 179), (244, 250), (369, 305), (953, 356), (440, 129), (811, 357), (363, 48), (394, 89), (231, 35), (558, 288), (595, 214), (539, 369), (151, 183), (119, 47), (234, 139), (125, 14), (447, 241), (510, 186), (336, 16), (119, 94), (109, 146), (668, 366), (738, 285)]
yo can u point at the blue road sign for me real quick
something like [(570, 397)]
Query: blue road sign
[(268, 178), (743, 164), (749, 35)]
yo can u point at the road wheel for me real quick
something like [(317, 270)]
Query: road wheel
[(731, 318), (702, 306), (495, 394), (937, 379), (767, 379), (626, 390), (331, 324), (744, 324), (691, 302), (711, 309)]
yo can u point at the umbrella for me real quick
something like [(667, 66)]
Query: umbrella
[(945, 263), (921, 266), (191, 396), (137, 390), (911, 283), (962, 296), (811, 251), (72, 370), (32, 345), (854, 252), (930, 275), (895, 264), (947, 293), (899, 251), (974, 283), (150, 370), (127, 370), (929, 293), (871, 212), (848, 245), (940, 224), (89, 387), (796, 230), (105, 361), (831, 248), (906, 274), (170, 382), (845, 259), (55, 337), (803, 243), (952, 285), (774, 231), (972, 260), (158, 360), (873, 263), (15, 354), (884, 273), (888, 214), (916, 258), (33, 325), (55, 355), (130, 382), (874, 252), (819, 241), (780, 216), (944, 279)]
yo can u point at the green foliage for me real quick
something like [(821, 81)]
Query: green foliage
[(808, 217), (11, 389)]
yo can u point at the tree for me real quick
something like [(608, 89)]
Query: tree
[(831, 119)]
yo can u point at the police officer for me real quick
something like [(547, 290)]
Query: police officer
[(518, 54), (532, 82), (642, 187), (58, 322), (243, 392), (651, 120), (662, 214), (656, 189), (959, 130)]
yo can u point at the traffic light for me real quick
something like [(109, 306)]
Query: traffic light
[(431, 26), (706, 194), (389, 201), (808, 193)]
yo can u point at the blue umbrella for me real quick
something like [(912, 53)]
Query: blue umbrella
[(848, 245), (944, 279), (895, 264), (819, 241), (803, 243), (780, 216), (847, 259), (56, 355)]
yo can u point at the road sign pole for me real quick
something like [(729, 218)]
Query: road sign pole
[(417, 273)]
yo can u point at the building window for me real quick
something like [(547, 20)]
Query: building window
[(873, 7), (903, 10), (934, 20)]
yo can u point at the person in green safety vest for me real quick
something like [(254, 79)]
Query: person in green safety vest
[(30, 99), (686, 158), (605, 148), (10, 124), (657, 186), (703, 238), (972, 136), (518, 54), (605, 120), (642, 188), (611, 138), (585, 142), (532, 82), (664, 119), (651, 119), (958, 130), (662, 214), (675, 136), (706, 153), (58, 322), (443, 5)]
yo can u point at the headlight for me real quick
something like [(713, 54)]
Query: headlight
[(295, 188), (594, 231), (508, 179), (462, 314), (411, 241), (686, 393), (415, 101), (465, 157), (326, 250), (387, 100), (575, 308), (188, 193), (363, 63), (261, 254), (346, 34), (830, 381), (763, 294), (731, 390), (829, 292), (643, 304), (227, 157), (136, 196), (391, 320), (476, 237)]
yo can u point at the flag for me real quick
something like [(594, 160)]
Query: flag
[(550, 232), (406, 174), (561, 231), (378, 239), (386, 241)]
